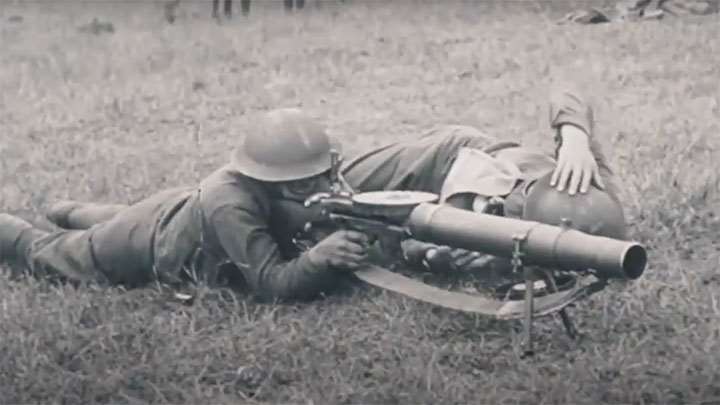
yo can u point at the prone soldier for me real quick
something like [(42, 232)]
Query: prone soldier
[(238, 222)]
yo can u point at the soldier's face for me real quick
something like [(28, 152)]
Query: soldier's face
[(299, 190)]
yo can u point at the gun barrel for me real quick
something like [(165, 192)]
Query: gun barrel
[(545, 245)]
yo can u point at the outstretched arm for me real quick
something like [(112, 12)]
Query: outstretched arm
[(420, 164), (581, 161)]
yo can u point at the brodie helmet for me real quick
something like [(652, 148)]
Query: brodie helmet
[(288, 145), (594, 212)]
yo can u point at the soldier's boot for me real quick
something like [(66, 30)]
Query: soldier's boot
[(68, 214), (16, 236)]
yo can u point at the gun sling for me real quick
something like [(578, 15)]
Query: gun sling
[(545, 305)]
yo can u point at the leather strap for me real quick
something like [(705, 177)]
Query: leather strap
[(547, 304)]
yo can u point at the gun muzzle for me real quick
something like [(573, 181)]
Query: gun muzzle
[(544, 245)]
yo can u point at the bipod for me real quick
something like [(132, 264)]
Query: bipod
[(530, 276)]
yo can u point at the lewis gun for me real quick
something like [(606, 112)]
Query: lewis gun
[(535, 250)]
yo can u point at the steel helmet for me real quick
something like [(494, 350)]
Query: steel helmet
[(594, 212), (287, 145)]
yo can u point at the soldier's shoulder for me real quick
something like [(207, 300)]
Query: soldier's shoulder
[(226, 186), (454, 133)]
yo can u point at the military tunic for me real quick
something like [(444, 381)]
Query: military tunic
[(232, 222)]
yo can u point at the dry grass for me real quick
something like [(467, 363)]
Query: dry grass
[(115, 116)]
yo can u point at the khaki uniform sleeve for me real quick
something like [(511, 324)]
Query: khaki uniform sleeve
[(569, 106), (248, 242), (419, 164)]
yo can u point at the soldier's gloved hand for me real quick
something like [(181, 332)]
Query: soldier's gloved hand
[(444, 258), (342, 249)]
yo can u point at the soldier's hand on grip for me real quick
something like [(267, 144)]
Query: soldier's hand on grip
[(342, 249), (438, 258), (445, 258)]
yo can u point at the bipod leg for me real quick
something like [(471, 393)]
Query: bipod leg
[(564, 316), (568, 324), (529, 312), (517, 263)]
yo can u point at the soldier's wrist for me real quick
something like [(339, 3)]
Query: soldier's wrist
[(573, 135), (315, 263)]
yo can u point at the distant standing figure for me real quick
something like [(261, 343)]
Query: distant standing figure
[(299, 4), (227, 8), (245, 7)]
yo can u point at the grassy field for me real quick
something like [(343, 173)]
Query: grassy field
[(115, 116)]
